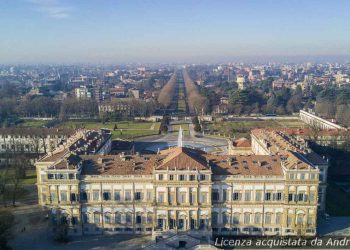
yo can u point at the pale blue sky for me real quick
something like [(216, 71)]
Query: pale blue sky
[(112, 31)]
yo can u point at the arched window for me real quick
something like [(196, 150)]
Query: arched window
[(118, 218), (128, 218), (300, 219), (107, 218), (236, 218), (246, 218), (278, 218), (97, 218), (225, 218), (257, 218), (268, 217)]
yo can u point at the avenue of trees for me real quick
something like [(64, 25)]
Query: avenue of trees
[(166, 94), (196, 102)]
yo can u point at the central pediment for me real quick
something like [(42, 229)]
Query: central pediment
[(182, 158)]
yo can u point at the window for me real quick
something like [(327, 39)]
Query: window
[(203, 198), (235, 218), (300, 197), (160, 177), (310, 220), (236, 196), (182, 197), (268, 218), (258, 195), (171, 177), (161, 197), (279, 218), (291, 176), (202, 177), (247, 195), (53, 197), (302, 176), (171, 198), (117, 195), (225, 218), (84, 196), (193, 224), (127, 195), (95, 195), (107, 218), (96, 218), (63, 196), (50, 176), (215, 195), (128, 218), (267, 196), (138, 196), (289, 220), (73, 197), (118, 218), (193, 198), (138, 219), (312, 197), (182, 177), (226, 196), (149, 195), (290, 197), (300, 219), (106, 195), (192, 177), (149, 218), (279, 196), (257, 218), (247, 218), (312, 176)]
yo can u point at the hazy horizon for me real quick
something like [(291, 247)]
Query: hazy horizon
[(192, 31)]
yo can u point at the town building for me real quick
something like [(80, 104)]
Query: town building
[(275, 142), (179, 190), (83, 93), (317, 121), (31, 142)]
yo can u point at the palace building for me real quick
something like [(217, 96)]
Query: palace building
[(179, 190)]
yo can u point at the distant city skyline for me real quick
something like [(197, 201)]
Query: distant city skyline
[(183, 31)]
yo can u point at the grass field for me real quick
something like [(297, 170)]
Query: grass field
[(243, 128), (32, 123), (30, 178), (123, 130), (185, 128)]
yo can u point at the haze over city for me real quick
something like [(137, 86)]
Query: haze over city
[(183, 124), (62, 31)]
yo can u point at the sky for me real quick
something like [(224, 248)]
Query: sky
[(123, 31)]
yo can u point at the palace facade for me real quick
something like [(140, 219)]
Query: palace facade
[(179, 190)]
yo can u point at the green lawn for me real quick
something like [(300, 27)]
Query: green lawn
[(292, 123), (32, 123), (30, 177), (109, 125), (185, 128), (131, 134)]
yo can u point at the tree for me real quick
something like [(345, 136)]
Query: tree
[(6, 222)]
